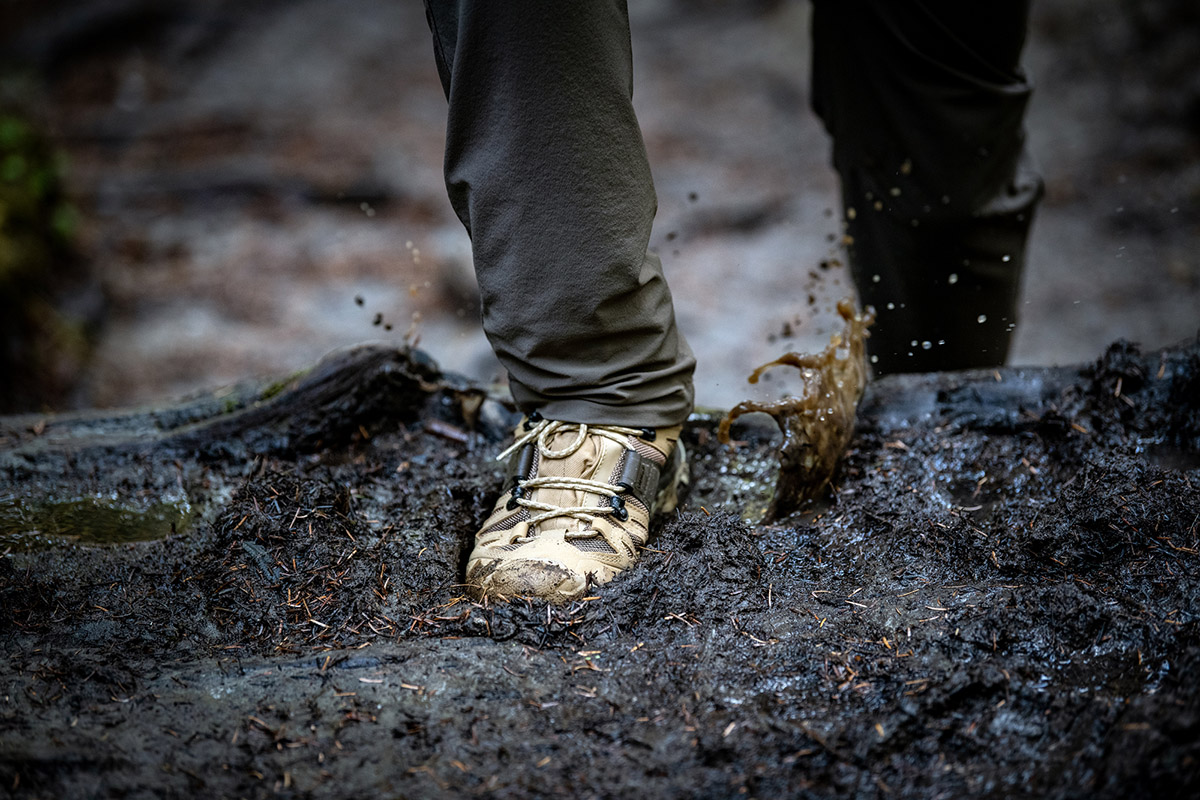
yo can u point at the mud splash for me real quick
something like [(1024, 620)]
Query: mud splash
[(819, 422)]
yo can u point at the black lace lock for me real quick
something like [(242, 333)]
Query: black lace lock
[(618, 507), (533, 419), (518, 492), (649, 434)]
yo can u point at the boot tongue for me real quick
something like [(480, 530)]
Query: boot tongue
[(596, 459)]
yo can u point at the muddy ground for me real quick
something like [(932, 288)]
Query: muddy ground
[(998, 597)]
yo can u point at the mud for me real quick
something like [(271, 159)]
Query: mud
[(817, 423), (996, 596)]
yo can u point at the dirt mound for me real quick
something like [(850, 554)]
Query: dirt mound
[(997, 597)]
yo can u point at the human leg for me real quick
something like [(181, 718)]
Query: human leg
[(925, 101), (546, 168)]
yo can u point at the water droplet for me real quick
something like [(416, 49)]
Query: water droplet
[(953, 278), (851, 213), (894, 191), (875, 279), (874, 359), (913, 343), (1006, 259), (941, 341), (891, 306), (981, 318), (926, 345)]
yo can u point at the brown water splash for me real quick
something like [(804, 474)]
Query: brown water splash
[(817, 424)]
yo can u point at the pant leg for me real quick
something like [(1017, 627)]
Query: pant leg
[(925, 100), (546, 168)]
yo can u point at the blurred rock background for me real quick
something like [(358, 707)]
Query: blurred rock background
[(232, 189)]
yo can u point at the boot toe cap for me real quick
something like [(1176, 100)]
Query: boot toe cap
[(524, 577)]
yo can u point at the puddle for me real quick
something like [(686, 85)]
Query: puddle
[(27, 524)]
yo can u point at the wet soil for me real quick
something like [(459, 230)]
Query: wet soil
[(997, 596)]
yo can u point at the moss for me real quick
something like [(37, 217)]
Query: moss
[(275, 387), (42, 349)]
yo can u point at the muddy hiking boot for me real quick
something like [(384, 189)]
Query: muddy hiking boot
[(576, 508)]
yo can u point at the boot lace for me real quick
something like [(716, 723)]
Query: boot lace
[(543, 434)]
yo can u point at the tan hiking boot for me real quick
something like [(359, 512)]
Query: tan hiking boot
[(576, 508)]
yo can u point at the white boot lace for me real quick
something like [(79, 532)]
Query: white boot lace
[(543, 433)]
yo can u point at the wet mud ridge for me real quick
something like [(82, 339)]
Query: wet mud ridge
[(997, 596)]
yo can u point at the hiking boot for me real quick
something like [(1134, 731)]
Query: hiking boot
[(576, 508)]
